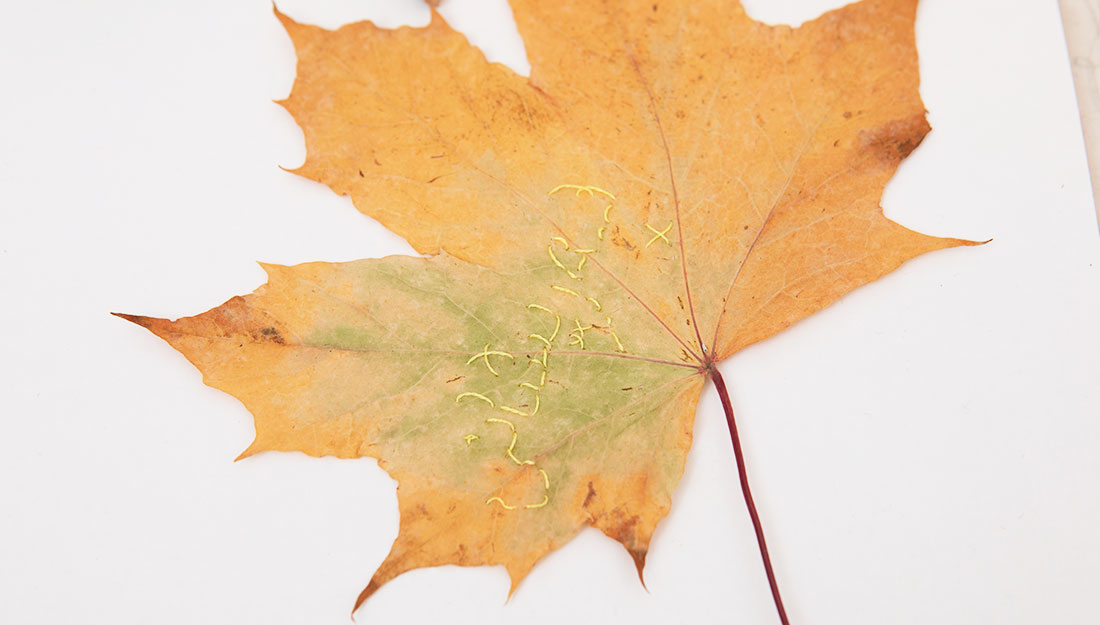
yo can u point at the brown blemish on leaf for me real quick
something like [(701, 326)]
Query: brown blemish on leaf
[(623, 530), (272, 334), (631, 524), (620, 240), (234, 319), (588, 497), (895, 140)]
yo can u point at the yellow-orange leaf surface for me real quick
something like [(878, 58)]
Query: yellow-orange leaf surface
[(674, 182)]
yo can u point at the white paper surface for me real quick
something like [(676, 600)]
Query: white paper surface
[(924, 451)]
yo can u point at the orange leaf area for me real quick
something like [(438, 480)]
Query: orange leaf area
[(674, 182)]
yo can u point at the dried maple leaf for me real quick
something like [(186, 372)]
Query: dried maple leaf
[(674, 182)]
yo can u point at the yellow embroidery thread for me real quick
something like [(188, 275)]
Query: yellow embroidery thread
[(513, 456), (553, 257), (557, 319), (578, 334), (476, 396), (659, 234), (589, 189), (565, 290), (485, 354), (618, 343), (545, 500), (539, 337)]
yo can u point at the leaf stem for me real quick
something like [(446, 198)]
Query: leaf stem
[(720, 384)]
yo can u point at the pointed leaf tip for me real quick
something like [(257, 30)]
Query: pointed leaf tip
[(249, 451), (514, 579), (437, 22), (639, 564), (138, 319), (292, 27), (371, 588), (283, 17)]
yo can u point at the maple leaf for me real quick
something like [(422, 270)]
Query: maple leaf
[(673, 182)]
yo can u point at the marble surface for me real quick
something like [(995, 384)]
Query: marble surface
[(1081, 19)]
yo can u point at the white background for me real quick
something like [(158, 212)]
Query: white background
[(925, 451)]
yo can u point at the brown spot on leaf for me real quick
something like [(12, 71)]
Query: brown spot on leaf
[(589, 496), (271, 334), (623, 529), (893, 141), (618, 239)]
